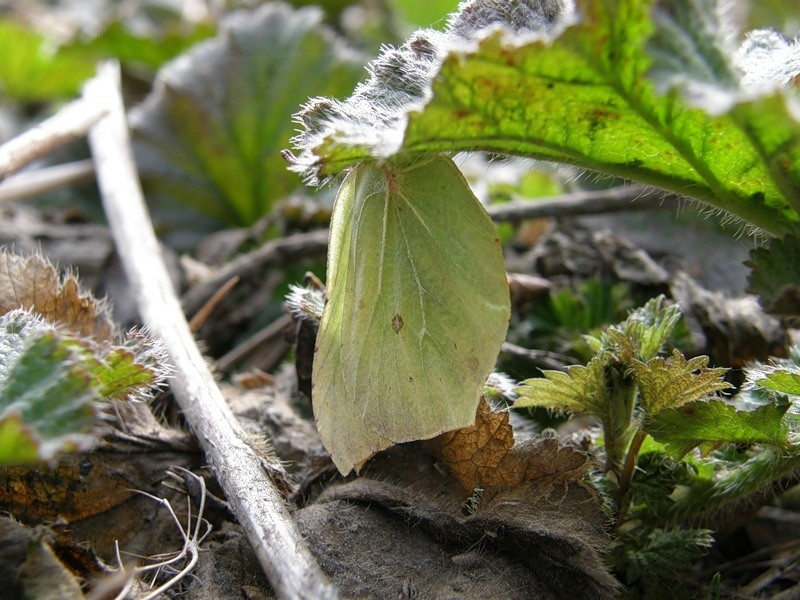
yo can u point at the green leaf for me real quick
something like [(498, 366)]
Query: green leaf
[(775, 275), (672, 382), (735, 482), (32, 70), (782, 381), (656, 477), (120, 373), (417, 309), (61, 357), (582, 389), (654, 560), (715, 422), (209, 137), (45, 401), (645, 332), (581, 93)]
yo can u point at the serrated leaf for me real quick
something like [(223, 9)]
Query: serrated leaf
[(717, 422), (59, 356), (49, 395), (649, 327), (654, 562), (120, 376), (730, 482), (782, 381), (582, 389), (417, 309), (654, 480), (775, 275), (672, 382), (484, 455), (208, 138), (579, 94), (33, 283)]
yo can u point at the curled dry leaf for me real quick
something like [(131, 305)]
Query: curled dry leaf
[(484, 455), (33, 283)]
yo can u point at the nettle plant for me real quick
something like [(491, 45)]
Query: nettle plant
[(417, 302)]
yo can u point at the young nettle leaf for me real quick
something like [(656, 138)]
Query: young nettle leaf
[(645, 332), (653, 559), (61, 358), (714, 422), (656, 477), (773, 383), (417, 309), (582, 389), (671, 382)]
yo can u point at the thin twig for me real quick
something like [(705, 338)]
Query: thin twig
[(592, 202), (201, 316), (70, 123), (240, 470), (226, 362), (276, 253), (314, 244), (544, 359), (32, 183)]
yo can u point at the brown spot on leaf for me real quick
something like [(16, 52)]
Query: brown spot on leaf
[(397, 323)]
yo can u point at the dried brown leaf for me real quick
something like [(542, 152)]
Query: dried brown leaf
[(479, 455), (484, 455), (29, 568), (134, 455), (33, 283)]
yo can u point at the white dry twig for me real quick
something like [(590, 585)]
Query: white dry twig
[(240, 470), (70, 123), (32, 183)]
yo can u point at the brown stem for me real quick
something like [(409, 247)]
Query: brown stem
[(626, 475)]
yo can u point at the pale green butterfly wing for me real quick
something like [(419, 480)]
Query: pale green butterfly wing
[(416, 313)]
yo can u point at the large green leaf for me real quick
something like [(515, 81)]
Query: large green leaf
[(592, 89), (209, 137), (417, 309), (716, 422)]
